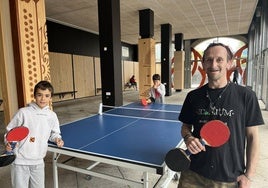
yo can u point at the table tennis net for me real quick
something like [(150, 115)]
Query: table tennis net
[(140, 113)]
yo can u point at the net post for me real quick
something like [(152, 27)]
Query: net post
[(100, 109)]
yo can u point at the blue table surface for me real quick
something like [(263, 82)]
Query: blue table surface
[(133, 139)]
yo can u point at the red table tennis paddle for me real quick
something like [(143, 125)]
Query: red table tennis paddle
[(17, 134), (14, 135), (144, 102), (214, 134)]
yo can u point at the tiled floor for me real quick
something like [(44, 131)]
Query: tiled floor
[(73, 110)]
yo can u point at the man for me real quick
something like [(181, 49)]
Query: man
[(238, 108)]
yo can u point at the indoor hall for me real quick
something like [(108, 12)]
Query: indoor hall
[(63, 64), (69, 111)]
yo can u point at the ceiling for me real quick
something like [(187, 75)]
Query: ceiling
[(193, 18)]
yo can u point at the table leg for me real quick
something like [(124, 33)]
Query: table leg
[(55, 171), (145, 180)]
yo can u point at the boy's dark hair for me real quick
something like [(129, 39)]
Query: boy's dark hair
[(229, 52), (43, 85), (156, 77)]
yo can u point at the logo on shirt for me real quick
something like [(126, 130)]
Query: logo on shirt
[(32, 139), (220, 112)]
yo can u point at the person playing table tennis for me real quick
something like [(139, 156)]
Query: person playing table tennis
[(234, 163), (157, 91), (28, 168)]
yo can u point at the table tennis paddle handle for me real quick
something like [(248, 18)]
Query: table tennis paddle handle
[(13, 145), (188, 153)]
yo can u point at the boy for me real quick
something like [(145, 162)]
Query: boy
[(28, 168), (158, 90)]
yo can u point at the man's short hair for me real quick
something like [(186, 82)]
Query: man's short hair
[(229, 52)]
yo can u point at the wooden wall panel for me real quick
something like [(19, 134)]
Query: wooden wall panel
[(158, 68), (97, 67), (136, 72), (123, 75), (83, 76), (7, 65), (179, 70), (89, 78), (1, 105), (128, 71), (61, 74)]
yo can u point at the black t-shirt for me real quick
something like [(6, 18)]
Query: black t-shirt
[(238, 107)]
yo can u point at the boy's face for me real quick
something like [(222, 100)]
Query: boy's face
[(42, 97), (156, 82)]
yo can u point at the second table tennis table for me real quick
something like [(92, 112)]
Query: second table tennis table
[(134, 136)]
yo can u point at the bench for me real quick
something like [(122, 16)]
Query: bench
[(62, 94), (129, 85)]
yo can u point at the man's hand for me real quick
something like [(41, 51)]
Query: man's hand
[(243, 181), (194, 145)]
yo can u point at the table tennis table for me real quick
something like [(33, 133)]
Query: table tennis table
[(132, 136)]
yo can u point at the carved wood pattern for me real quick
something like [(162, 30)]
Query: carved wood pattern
[(34, 44)]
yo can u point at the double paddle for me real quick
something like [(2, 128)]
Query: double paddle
[(214, 134), (13, 136), (145, 101)]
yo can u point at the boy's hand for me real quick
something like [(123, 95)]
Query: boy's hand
[(8, 147), (59, 142)]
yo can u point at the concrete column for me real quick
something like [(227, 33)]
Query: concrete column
[(146, 51), (166, 55), (110, 52)]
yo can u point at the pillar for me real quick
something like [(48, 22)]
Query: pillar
[(110, 52), (30, 46), (146, 52), (166, 55)]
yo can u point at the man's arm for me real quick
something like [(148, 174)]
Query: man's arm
[(186, 131), (252, 150), (252, 156)]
